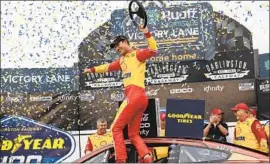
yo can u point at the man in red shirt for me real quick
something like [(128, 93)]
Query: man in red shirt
[(132, 63), (248, 131), (100, 138)]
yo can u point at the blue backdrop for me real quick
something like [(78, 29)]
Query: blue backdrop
[(185, 118)]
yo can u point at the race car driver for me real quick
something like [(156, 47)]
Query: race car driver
[(132, 63)]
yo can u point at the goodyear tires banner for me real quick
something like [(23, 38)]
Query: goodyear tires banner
[(25, 141), (185, 118)]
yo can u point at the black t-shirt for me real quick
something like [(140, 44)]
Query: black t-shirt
[(215, 133)]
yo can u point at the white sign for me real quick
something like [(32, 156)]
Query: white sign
[(181, 90), (235, 75), (87, 97), (264, 87), (226, 69), (117, 96), (246, 86), (169, 80), (152, 92), (40, 98), (101, 85)]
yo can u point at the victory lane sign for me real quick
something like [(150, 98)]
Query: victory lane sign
[(178, 30)]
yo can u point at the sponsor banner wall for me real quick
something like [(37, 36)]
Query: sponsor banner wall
[(231, 65), (60, 110), (37, 80), (217, 94)]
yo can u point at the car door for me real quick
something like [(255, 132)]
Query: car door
[(101, 157), (181, 153), (108, 156)]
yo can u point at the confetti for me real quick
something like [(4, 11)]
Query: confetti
[(48, 34)]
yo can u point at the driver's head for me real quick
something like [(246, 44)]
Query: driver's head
[(101, 126), (121, 45)]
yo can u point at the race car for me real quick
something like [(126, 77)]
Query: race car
[(177, 150)]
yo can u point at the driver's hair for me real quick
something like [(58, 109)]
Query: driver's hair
[(101, 120)]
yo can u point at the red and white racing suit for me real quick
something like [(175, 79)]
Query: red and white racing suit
[(133, 66)]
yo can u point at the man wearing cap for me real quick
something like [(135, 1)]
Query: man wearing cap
[(216, 129), (248, 131), (132, 63)]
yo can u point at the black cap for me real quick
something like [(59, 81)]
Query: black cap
[(117, 40)]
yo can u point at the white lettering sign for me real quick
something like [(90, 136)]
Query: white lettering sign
[(226, 76), (213, 88), (246, 86), (169, 80), (101, 85), (40, 98), (152, 92), (264, 87), (36, 79), (181, 90)]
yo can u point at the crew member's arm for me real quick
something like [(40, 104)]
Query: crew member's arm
[(206, 129), (234, 135), (258, 131), (223, 129), (143, 54), (88, 147), (266, 129), (114, 66)]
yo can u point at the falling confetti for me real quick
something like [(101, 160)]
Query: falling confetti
[(48, 34)]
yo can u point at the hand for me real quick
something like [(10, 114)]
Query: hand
[(87, 70), (211, 119), (144, 30), (218, 119), (264, 146)]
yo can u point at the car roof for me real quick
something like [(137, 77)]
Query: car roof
[(187, 141)]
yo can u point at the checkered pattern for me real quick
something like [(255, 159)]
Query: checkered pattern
[(231, 35), (264, 65)]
